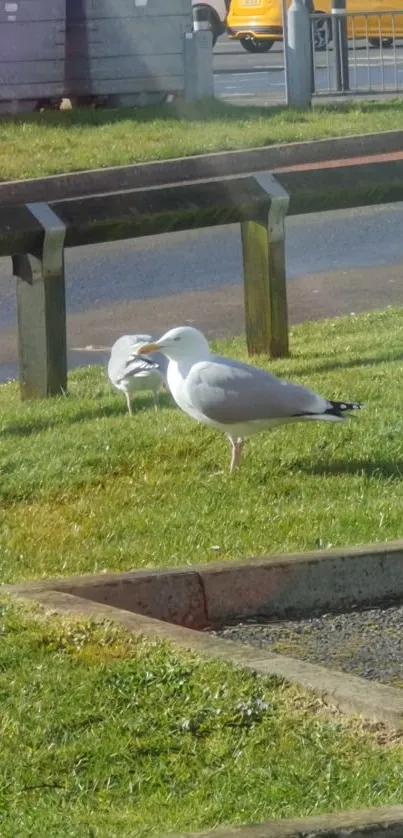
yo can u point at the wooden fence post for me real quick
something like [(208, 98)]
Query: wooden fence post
[(265, 292), (41, 310)]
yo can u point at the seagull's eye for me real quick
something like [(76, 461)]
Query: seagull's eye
[(178, 338)]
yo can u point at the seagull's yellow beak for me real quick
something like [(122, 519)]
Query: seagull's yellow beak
[(147, 347)]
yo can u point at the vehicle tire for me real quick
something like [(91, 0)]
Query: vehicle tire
[(376, 42), (322, 32), (256, 44), (215, 31), (215, 23)]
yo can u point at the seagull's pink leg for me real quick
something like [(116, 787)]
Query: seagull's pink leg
[(237, 448)]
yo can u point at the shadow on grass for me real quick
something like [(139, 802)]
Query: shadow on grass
[(207, 111), (28, 427), (386, 469), (330, 366)]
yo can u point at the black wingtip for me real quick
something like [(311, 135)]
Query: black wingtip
[(340, 408), (143, 362)]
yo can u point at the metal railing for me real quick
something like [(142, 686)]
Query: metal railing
[(373, 61), (36, 235)]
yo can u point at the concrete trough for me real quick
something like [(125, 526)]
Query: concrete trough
[(384, 822), (181, 605)]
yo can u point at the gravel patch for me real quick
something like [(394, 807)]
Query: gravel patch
[(366, 643)]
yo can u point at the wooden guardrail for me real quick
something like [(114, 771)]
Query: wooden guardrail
[(35, 236)]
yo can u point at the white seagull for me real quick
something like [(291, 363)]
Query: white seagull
[(236, 398), (129, 372)]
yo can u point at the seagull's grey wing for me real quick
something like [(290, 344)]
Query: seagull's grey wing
[(227, 391)]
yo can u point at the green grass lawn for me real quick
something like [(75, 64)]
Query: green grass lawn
[(33, 145), (84, 487), (107, 736)]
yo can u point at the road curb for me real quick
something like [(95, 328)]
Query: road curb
[(218, 164)]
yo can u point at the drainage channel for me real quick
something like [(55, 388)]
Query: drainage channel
[(367, 643)]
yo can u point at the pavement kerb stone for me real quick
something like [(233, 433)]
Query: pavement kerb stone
[(217, 164), (174, 596), (281, 586), (350, 694), (276, 585), (288, 586), (385, 822)]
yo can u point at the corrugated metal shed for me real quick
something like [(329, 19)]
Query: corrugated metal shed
[(32, 50), (132, 50)]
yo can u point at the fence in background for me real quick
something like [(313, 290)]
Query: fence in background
[(342, 52), (370, 62)]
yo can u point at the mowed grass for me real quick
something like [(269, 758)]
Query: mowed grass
[(84, 487), (106, 735), (33, 145)]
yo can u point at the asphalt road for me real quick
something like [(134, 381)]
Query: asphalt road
[(244, 78), (337, 262), (240, 77)]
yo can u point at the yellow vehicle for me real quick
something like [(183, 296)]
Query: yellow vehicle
[(257, 24)]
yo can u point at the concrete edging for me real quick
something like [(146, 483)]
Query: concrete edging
[(204, 166), (382, 822), (350, 694), (280, 585), (173, 593), (170, 604)]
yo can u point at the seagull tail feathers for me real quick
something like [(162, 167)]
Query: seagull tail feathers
[(334, 412), (339, 409)]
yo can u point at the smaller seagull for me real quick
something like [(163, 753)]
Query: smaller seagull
[(130, 372), (233, 397)]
